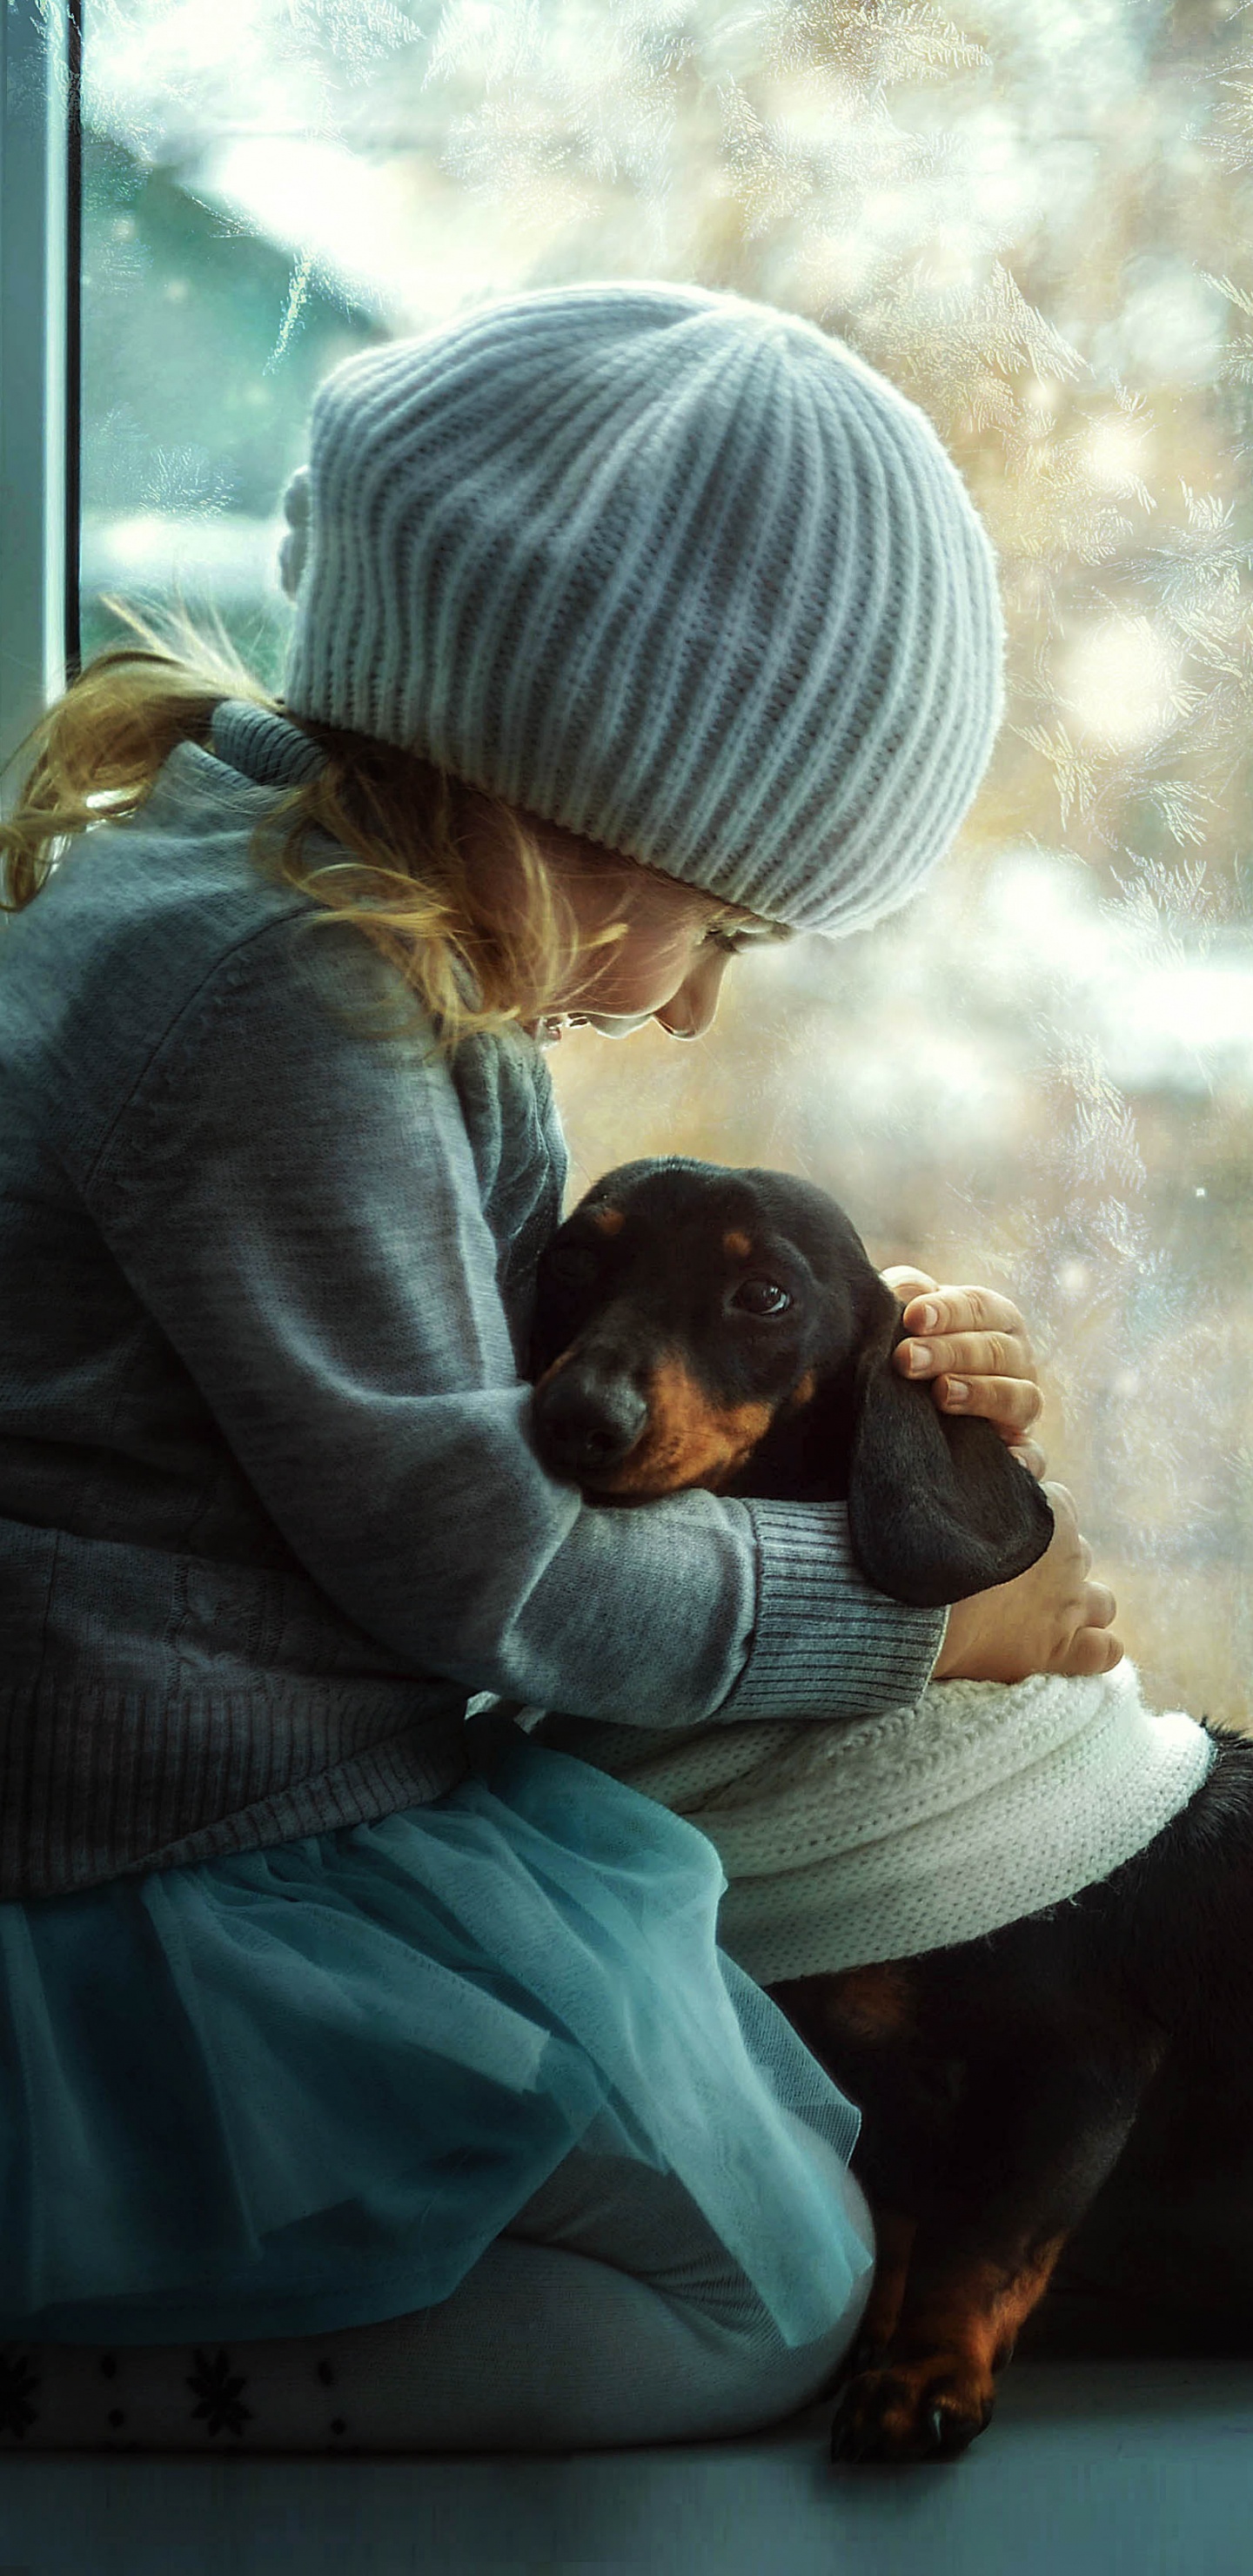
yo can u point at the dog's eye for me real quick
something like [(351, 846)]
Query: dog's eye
[(761, 1297), (572, 1265)]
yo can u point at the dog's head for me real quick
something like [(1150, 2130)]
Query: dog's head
[(701, 1326)]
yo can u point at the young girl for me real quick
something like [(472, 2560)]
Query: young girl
[(353, 2098)]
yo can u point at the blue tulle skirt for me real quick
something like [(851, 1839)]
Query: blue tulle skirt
[(304, 2088)]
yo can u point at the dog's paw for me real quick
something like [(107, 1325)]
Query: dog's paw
[(912, 2410)]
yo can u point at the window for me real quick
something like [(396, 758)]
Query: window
[(39, 211), (1034, 215)]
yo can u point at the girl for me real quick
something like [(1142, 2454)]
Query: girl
[(352, 2098)]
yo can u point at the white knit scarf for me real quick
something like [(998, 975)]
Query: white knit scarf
[(909, 1832)]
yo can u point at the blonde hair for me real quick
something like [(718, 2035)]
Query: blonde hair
[(482, 947)]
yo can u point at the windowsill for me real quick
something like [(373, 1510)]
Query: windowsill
[(1114, 2468)]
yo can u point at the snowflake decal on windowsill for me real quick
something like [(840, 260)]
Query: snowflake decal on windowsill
[(219, 2392), (18, 2385)]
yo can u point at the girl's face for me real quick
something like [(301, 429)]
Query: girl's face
[(675, 946)]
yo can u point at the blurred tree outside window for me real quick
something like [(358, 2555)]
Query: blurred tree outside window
[(1037, 217)]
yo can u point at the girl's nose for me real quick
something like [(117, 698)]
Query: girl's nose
[(693, 1009)]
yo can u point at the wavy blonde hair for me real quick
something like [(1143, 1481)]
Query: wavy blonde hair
[(476, 921)]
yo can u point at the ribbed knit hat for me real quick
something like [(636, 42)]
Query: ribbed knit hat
[(670, 568)]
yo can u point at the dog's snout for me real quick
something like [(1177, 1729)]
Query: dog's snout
[(588, 1422)]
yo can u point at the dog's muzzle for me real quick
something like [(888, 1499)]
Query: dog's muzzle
[(586, 1420)]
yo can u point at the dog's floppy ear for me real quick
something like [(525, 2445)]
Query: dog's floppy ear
[(937, 1507)]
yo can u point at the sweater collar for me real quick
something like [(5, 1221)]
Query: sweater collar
[(264, 747), (273, 752)]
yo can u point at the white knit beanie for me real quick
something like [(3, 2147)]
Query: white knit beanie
[(670, 568)]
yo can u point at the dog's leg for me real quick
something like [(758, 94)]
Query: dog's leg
[(894, 2236), (855, 2023), (1035, 2141), (894, 2245)]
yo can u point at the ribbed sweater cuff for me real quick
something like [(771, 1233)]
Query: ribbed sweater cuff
[(826, 1644)]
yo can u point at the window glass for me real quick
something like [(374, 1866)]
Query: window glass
[(1035, 215)]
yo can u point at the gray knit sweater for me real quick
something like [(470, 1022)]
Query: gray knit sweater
[(269, 1512)]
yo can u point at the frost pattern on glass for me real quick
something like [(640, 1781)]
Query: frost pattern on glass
[(1035, 215)]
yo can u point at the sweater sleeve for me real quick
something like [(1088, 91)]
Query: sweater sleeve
[(294, 1199)]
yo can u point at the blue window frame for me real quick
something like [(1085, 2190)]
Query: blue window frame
[(40, 53)]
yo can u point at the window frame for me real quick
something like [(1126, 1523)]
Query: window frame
[(40, 276)]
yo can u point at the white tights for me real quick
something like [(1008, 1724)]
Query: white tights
[(607, 2314)]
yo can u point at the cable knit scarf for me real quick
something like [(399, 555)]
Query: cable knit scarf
[(928, 1826)]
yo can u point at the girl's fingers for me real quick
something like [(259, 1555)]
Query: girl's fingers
[(905, 1282), (967, 1354), (1029, 1456), (1099, 1606), (1091, 1650), (973, 1345), (964, 1310), (1012, 1403)]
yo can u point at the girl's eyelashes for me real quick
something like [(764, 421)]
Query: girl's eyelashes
[(736, 935)]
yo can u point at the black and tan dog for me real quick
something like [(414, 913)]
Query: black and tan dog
[(1069, 2099)]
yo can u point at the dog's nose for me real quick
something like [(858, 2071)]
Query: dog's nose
[(587, 1423)]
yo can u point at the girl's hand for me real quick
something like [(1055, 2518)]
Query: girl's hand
[(973, 1346), (1052, 1619)]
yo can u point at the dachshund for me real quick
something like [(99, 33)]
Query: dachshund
[(1065, 2102)]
